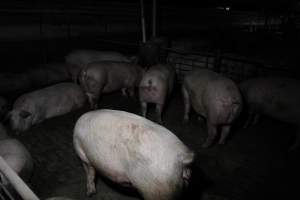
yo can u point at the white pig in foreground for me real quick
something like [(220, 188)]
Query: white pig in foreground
[(214, 97), (34, 107), (106, 77), (132, 151), (155, 86), (276, 97), (80, 58), (16, 156)]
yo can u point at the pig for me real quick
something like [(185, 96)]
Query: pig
[(215, 98), (132, 151), (80, 58), (155, 86), (107, 76), (34, 107), (16, 155), (48, 74), (276, 97)]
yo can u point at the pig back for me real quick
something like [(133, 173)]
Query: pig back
[(84, 57), (196, 82), (211, 91), (52, 101), (277, 97), (198, 79), (114, 75), (130, 139)]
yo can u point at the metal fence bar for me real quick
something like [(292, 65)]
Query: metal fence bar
[(6, 194), (235, 67), (23, 190)]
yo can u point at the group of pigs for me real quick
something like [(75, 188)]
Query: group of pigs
[(127, 148)]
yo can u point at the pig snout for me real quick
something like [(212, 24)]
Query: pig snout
[(20, 120)]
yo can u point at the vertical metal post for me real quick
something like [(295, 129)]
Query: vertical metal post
[(154, 19), (143, 21)]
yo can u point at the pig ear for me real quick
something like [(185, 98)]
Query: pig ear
[(24, 114), (188, 158)]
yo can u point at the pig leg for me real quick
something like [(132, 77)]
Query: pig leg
[(89, 170), (159, 108), (187, 105), (224, 133), (90, 175), (211, 134), (144, 108)]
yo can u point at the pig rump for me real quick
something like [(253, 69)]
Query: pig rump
[(129, 149)]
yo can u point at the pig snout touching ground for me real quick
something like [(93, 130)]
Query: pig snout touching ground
[(80, 59), (106, 77), (16, 156), (276, 97), (155, 86), (214, 97), (34, 107), (132, 151)]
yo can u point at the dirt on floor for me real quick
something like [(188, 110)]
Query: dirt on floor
[(253, 164)]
